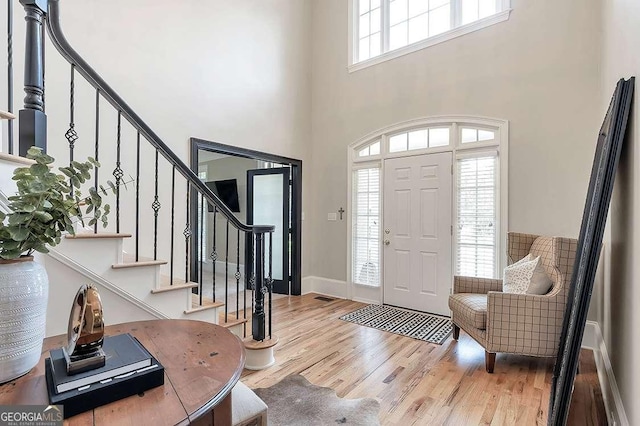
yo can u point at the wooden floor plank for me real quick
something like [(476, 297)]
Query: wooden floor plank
[(417, 382)]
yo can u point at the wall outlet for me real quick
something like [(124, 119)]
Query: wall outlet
[(332, 217)]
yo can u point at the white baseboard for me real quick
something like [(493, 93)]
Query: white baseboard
[(614, 407), (367, 301), (325, 286)]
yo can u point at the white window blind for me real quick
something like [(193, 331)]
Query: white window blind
[(477, 221), (366, 227)]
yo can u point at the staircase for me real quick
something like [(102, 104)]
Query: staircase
[(151, 257)]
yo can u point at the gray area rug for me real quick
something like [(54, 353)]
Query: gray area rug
[(418, 325), (296, 401)]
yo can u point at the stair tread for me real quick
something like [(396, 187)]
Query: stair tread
[(206, 304), (6, 115), (16, 159), (129, 261), (174, 287), (233, 321), (165, 281), (91, 235), (251, 344)]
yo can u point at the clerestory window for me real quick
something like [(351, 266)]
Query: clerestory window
[(384, 29)]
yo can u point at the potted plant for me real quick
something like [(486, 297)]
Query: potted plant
[(46, 205)]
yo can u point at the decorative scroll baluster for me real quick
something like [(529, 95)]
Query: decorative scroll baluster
[(257, 321), (173, 217), (202, 244), (156, 208), (214, 253), (226, 276), (138, 196), (270, 279), (71, 134), (96, 153), (117, 172), (187, 236), (238, 275), (10, 72)]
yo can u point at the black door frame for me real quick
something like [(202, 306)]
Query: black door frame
[(279, 286), (296, 204)]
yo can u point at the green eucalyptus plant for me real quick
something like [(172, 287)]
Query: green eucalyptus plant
[(47, 204)]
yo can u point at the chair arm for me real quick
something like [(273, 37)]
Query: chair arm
[(528, 324), (476, 285)]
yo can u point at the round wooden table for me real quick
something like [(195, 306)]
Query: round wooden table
[(202, 363)]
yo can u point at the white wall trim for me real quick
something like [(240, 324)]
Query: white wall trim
[(431, 41), (614, 407), (325, 286), (106, 284)]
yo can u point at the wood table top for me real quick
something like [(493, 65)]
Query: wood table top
[(202, 363)]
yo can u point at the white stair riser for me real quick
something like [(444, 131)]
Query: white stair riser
[(238, 330), (96, 254)]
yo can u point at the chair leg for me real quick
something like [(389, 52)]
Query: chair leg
[(456, 332), (489, 361)]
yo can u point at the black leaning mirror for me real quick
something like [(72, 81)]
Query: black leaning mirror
[(594, 218)]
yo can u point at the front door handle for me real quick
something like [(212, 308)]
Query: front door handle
[(387, 242)]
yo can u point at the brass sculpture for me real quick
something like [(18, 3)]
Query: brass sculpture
[(86, 332)]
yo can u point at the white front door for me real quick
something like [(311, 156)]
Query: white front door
[(417, 232)]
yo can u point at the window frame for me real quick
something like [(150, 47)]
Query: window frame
[(500, 144), (456, 31)]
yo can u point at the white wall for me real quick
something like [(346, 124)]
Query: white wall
[(232, 72), (539, 70), (618, 296)]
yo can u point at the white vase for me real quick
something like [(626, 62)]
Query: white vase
[(24, 290)]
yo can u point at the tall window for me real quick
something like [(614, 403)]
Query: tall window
[(366, 227), (386, 25), (477, 216)]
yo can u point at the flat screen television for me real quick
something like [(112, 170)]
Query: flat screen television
[(227, 191)]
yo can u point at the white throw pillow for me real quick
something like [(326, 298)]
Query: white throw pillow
[(527, 276), (516, 277), (540, 281)]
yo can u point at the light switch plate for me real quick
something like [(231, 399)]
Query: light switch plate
[(332, 217)]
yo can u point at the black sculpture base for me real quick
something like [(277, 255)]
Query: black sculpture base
[(81, 363)]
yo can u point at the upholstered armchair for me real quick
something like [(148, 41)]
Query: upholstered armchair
[(523, 324)]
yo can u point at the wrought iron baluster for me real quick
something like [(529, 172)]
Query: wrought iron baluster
[(71, 134), (214, 253), (138, 196), (156, 208), (96, 153), (200, 247), (238, 275), (10, 72), (173, 217), (270, 279), (226, 276), (187, 236), (117, 172)]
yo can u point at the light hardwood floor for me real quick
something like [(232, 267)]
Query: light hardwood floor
[(417, 383)]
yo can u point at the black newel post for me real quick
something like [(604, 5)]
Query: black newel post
[(32, 119), (258, 319)]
